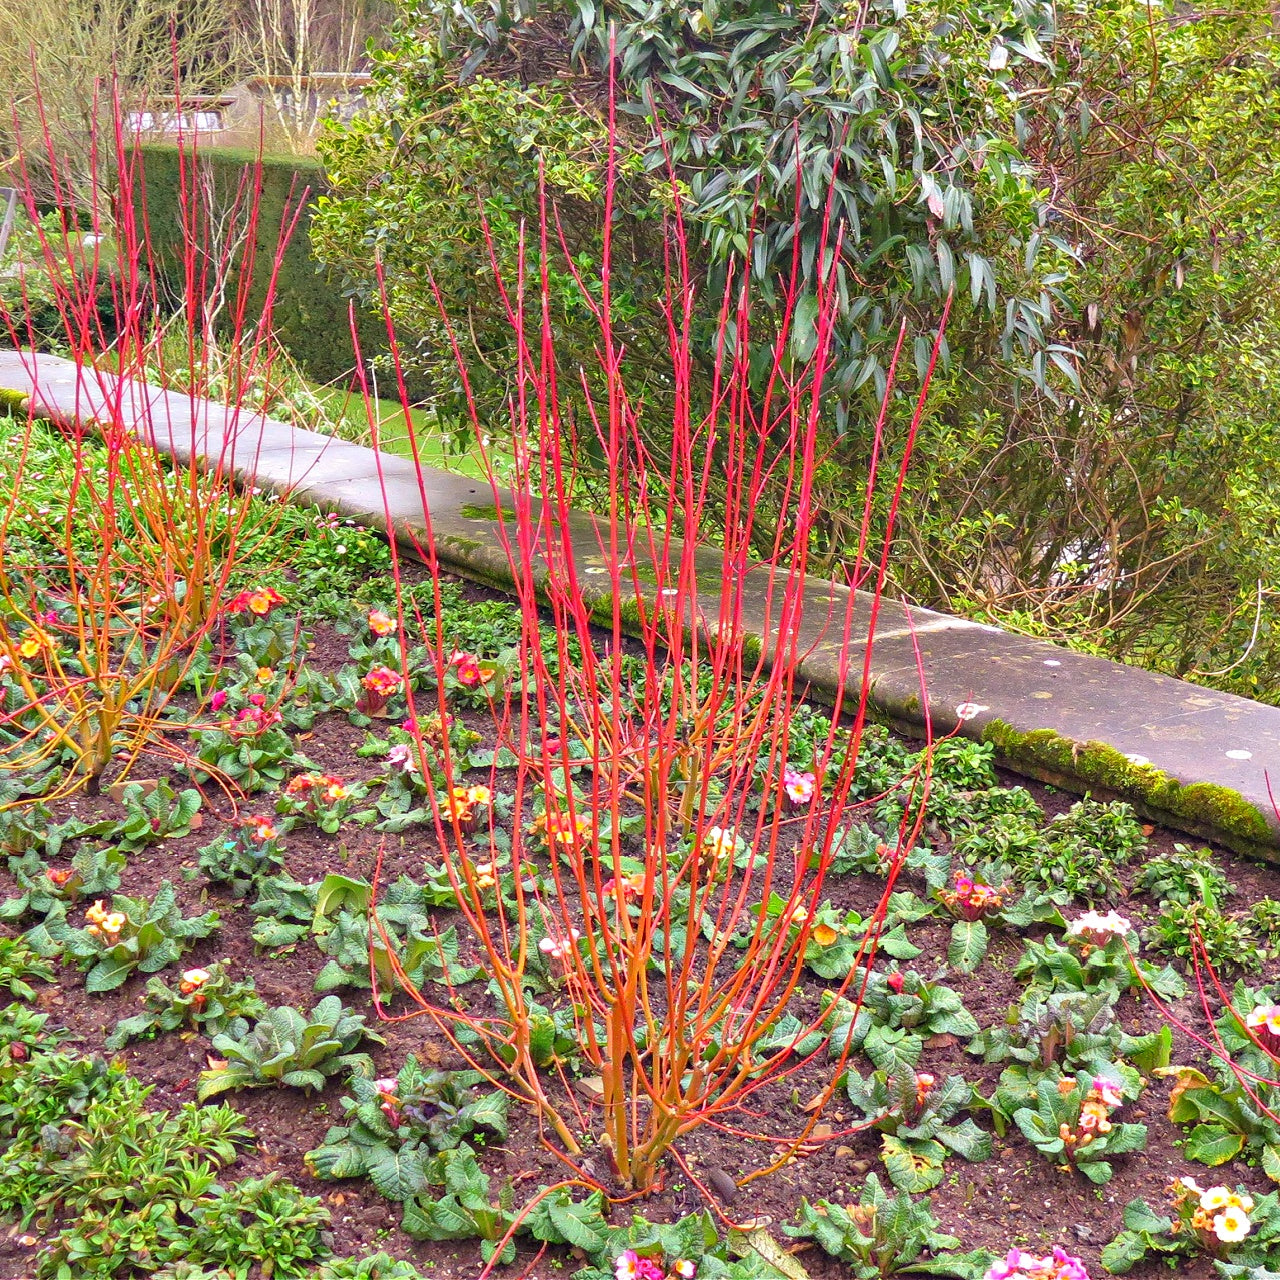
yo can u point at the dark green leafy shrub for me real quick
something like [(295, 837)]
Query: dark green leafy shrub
[(261, 1225), (1082, 851), (1201, 931)]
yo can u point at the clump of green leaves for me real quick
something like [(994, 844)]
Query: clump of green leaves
[(1112, 968), (94, 871), (1201, 930), (883, 1236), (468, 1209), (18, 963), (1185, 876), (920, 1120), (393, 1126), (155, 814), (898, 1011), (1068, 1121), (203, 999), (244, 859), (289, 1048), (133, 934), (1067, 1028), (345, 933), (1181, 1233), (1083, 850)]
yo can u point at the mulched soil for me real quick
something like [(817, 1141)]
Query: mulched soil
[(1017, 1197)]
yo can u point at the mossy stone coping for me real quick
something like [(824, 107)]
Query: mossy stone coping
[(1191, 758)]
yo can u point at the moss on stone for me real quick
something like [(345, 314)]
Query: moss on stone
[(474, 511), (14, 401), (1216, 808)]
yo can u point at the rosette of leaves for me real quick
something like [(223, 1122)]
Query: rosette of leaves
[(861, 849), (218, 1005), (265, 641), (354, 941), (971, 938), (1067, 1028), (155, 933), (892, 1024), (920, 1121), (30, 827), (1150, 1233), (391, 1139), (18, 962), (885, 1236), (1050, 966), (253, 761), (468, 1210), (291, 1049), (744, 1255), (1057, 1103), (284, 911), (160, 813), (1184, 876), (94, 872), (241, 862), (25, 1027)]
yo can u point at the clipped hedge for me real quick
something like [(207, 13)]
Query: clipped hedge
[(310, 315)]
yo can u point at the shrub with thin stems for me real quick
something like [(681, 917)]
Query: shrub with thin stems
[(673, 881), (110, 594)]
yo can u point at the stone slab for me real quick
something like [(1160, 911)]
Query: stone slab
[(1189, 757)]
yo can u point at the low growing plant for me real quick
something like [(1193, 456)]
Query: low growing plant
[(1097, 954), (45, 890), (885, 1236), (1070, 1123), (243, 860), (393, 1126), (1238, 1231), (920, 1120), (132, 934), (289, 1048), (18, 963), (1185, 876), (207, 1000)]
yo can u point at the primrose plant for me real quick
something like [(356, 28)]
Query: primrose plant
[(123, 934), (919, 1118), (1238, 1231), (206, 1000), (288, 1048), (885, 1235)]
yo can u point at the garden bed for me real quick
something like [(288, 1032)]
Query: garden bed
[(1060, 852)]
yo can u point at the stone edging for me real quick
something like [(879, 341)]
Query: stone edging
[(1187, 757)]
